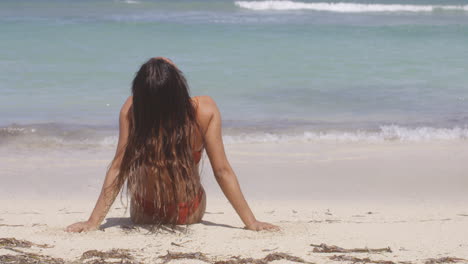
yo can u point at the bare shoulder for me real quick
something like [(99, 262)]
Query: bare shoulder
[(126, 106), (205, 101), (206, 109), (206, 106)]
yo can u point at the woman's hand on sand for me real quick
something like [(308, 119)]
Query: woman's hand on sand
[(258, 226), (81, 227)]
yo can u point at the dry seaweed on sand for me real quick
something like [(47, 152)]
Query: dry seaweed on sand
[(359, 260), (236, 260), (179, 255), (29, 258), (13, 242), (324, 248), (268, 258), (445, 260), (278, 256), (102, 257)]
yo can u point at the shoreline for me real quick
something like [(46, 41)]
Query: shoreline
[(49, 136)]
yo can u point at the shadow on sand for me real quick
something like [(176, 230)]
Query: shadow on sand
[(126, 223)]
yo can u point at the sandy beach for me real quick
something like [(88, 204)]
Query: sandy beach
[(346, 123), (393, 197)]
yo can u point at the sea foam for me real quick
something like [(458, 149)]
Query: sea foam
[(131, 2), (383, 134), (345, 7), (46, 136)]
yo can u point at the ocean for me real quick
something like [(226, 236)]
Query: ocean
[(386, 70)]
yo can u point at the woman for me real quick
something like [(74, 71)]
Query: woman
[(162, 133)]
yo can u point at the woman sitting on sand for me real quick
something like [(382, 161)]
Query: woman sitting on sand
[(162, 135)]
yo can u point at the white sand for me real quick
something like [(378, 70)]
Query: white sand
[(410, 197)]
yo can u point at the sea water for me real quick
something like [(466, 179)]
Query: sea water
[(278, 70)]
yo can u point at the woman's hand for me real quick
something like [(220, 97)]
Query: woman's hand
[(110, 188), (258, 226), (81, 227)]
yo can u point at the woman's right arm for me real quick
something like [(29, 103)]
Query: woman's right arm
[(223, 171), (110, 189)]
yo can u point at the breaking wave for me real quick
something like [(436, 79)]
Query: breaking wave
[(346, 7), (53, 135), (385, 133)]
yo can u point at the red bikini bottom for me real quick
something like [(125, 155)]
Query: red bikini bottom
[(185, 209)]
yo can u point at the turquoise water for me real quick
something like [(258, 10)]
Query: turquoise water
[(277, 69)]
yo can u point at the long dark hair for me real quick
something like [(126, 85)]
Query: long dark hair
[(158, 158)]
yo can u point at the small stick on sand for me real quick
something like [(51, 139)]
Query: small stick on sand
[(10, 225), (359, 260), (266, 250), (180, 244), (324, 248), (444, 260), (15, 250), (38, 224)]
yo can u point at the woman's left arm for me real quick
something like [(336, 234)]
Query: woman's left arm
[(110, 188)]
